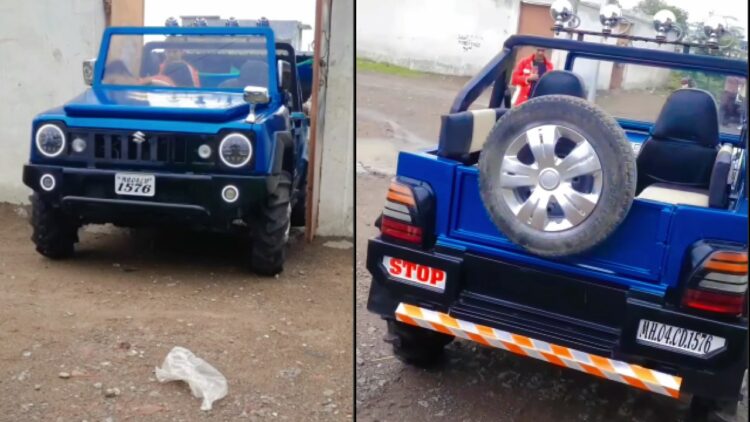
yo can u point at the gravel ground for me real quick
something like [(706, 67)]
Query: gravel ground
[(473, 383), (74, 332)]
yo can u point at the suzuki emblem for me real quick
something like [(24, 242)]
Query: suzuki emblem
[(139, 137)]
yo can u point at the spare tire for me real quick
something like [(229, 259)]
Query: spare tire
[(557, 175)]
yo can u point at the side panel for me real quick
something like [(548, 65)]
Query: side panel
[(690, 224)]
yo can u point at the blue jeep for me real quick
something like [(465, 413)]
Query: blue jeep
[(616, 246), (198, 127)]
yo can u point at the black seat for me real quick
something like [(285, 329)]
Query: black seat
[(253, 72), (559, 82), (682, 148)]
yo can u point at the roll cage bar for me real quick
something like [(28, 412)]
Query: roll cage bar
[(495, 70)]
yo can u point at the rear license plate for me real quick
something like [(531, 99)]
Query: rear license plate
[(134, 184), (415, 274), (678, 339)]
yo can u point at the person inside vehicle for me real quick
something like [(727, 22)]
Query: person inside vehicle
[(174, 71), (254, 72), (527, 72)]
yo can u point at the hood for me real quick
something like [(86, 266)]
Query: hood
[(203, 106)]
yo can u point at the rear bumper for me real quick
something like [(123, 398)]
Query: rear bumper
[(179, 198), (583, 315)]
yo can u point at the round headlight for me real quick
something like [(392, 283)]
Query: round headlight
[(50, 140), (235, 150)]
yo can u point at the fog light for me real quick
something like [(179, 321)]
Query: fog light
[(204, 151), (230, 194), (47, 182), (78, 145)]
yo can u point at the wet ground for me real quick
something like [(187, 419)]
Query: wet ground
[(473, 383), (71, 330)]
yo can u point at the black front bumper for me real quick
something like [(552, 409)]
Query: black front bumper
[(586, 315), (193, 199)]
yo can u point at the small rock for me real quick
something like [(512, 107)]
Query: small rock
[(37, 387), (98, 385), (111, 392), (64, 375), (123, 345), (328, 393), (26, 354)]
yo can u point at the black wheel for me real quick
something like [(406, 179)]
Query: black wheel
[(557, 175), (54, 232), (298, 210), (272, 230), (416, 346)]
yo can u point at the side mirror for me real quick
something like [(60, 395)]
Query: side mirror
[(88, 71), (255, 95), (285, 75)]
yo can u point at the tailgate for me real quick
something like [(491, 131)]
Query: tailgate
[(635, 250)]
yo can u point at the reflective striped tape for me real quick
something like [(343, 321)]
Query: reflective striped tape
[(633, 375)]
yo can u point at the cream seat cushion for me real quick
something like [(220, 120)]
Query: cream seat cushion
[(675, 194)]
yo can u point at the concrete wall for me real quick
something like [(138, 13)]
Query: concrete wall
[(336, 203), (42, 43), (449, 36)]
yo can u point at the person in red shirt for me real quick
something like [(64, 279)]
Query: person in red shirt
[(526, 73)]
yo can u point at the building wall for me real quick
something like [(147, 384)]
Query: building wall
[(42, 43), (335, 206), (449, 36)]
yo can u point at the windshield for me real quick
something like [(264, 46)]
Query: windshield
[(222, 62)]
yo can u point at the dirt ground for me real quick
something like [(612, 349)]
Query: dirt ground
[(473, 383), (109, 316)]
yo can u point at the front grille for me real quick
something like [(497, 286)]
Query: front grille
[(155, 149), (116, 149)]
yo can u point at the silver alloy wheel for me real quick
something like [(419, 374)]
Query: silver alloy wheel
[(551, 178)]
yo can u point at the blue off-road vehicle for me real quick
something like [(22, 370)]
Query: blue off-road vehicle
[(601, 225), (199, 127)]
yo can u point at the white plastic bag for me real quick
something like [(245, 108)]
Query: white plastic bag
[(204, 380)]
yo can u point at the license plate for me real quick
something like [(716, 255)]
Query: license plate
[(678, 339), (135, 184), (415, 274)]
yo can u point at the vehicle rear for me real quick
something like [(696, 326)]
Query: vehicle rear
[(659, 304)]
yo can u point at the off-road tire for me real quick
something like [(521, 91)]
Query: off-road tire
[(617, 164), (298, 210), (707, 410), (272, 230), (416, 346), (54, 232)]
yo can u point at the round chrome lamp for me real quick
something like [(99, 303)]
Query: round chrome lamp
[(609, 15)]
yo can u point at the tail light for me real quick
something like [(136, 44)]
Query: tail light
[(407, 212), (718, 284)]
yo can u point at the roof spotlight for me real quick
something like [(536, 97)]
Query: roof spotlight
[(200, 22), (665, 22), (714, 28), (562, 13), (171, 21), (232, 22), (609, 15), (263, 22)]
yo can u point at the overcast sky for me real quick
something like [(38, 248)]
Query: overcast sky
[(157, 11), (699, 9)]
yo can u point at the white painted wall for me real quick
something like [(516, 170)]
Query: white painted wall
[(42, 45), (335, 212), (447, 36)]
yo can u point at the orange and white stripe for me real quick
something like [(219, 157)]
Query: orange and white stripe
[(633, 375)]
